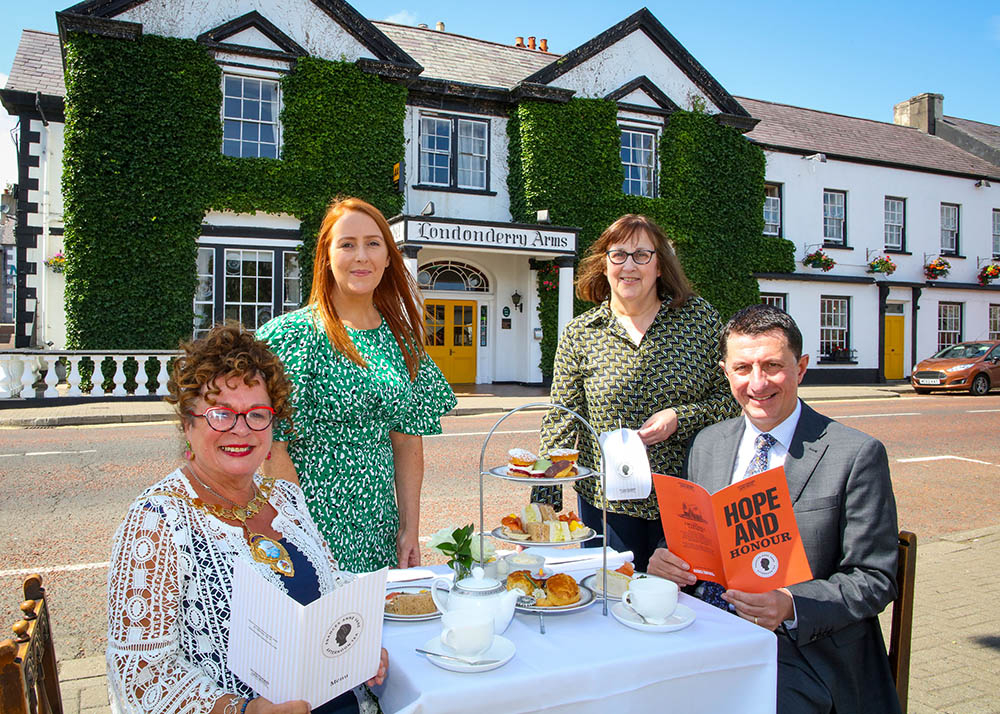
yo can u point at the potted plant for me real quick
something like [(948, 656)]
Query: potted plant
[(882, 264), (839, 353), (819, 259), (57, 263), (461, 545), (937, 268), (989, 273)]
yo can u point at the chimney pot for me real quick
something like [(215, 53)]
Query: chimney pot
[(439, 26), (531, 42), (422, 25), (543, 45), (518, 42)]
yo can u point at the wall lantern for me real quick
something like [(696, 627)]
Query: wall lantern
[(516, 300)]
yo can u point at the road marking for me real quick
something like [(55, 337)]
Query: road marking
[(482, 433), (941, 458), (872, 416), (54, 569), (981, 411), (49, 453)]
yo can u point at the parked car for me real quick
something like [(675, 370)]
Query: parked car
[(972, 366)]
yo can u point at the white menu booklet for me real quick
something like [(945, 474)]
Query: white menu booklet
[(315, 652)]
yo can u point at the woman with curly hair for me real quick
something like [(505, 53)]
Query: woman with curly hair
[(170, 579)]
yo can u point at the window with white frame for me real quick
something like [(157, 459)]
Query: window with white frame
[(834, 217), (994, 322), (772, 209), (778, 300), (949, 324), (638, 152), (449, 163), (250, 117), (204, 293), (996, 232), (895, 223), (291, 294), (949, 228), (834, 327)]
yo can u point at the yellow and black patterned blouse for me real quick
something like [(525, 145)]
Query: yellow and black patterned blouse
[(602, 375)]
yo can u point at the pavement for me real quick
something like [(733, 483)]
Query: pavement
[(472, 399), (955, 657)]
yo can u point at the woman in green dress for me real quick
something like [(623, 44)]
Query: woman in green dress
[(365, 393)]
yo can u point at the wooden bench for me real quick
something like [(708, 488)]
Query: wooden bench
[(29, 683), (902, 615)]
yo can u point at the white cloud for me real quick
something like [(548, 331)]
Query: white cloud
[(8, 156), (403, 17)]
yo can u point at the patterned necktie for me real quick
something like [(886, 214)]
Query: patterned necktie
[(712, 592)]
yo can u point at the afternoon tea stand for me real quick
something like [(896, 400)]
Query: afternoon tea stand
[(483, 471)]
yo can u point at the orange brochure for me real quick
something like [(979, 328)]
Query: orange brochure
[(743, 537)]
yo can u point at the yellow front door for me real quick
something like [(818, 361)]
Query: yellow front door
[(451, 338), (893, 346)]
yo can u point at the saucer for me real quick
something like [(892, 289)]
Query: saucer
[(501, 650), (681, 618)]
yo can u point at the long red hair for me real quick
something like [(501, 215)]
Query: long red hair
[(395, 296)]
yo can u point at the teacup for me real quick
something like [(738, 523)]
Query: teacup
[(468, 632), (653, 598)]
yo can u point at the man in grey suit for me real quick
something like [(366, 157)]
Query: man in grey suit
[(831, 656)]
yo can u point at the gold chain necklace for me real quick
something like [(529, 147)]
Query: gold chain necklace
[(263, 548)]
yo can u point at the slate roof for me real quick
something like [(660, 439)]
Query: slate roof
[(811, 131), (38, 64), (986, 133), (456, 58)]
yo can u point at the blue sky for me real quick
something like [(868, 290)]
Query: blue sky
[(856, 57)]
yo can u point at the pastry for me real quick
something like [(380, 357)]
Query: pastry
[(559, 469), (561, 589), (538, 468), (520, 462), (522, 580), (421, 603), (570, 455)]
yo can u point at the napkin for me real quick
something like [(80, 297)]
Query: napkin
[(570, 561), (403, 575), (626, 466)]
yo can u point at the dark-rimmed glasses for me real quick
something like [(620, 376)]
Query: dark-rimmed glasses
[(224, 418), (639, 257)]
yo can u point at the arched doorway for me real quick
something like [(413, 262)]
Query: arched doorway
[(451, 323)]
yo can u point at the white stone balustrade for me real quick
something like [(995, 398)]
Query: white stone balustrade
[(20, 371)]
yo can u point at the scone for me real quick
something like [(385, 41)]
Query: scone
[(561, 589)]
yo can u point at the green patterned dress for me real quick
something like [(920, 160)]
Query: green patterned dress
[(343, 415)]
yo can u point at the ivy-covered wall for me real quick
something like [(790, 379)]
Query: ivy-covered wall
[(565, 157), (143, 164)]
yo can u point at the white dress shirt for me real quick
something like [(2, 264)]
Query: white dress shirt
[(779, 450), (775, 457)]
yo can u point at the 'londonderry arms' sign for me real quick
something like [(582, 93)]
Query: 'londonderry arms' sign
[(484, 235)]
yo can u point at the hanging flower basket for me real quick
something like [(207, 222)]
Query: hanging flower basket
[(882, 264), (989, 273), (57, 263), (937, 268), (819, 259)]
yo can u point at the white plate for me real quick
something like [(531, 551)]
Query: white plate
[(586, 599), (682, 617), (498, 534), (501, 650), (501, 472), (409, 618)]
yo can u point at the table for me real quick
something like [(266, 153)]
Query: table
[(590, 663)]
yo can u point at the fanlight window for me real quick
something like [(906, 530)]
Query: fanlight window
[(448, 275)]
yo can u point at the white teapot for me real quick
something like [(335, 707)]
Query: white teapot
[(479, 592)]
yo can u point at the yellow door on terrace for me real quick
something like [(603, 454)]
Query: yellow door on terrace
[(451, 338), (893, 346)]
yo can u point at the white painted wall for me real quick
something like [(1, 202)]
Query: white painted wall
[(803, 181), (301, 20), (630, 57), (459, 205)]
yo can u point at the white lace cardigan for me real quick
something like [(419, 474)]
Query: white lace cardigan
[(169, 588)]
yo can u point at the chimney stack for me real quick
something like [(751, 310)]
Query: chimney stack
[(921, 112), (439, 26), (531, 42), (422, 25), (543, 45), (518, 42)]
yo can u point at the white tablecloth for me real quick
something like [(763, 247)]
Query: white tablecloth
[(590, 663)]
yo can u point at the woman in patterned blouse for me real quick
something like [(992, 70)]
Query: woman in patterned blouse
[(365, 392), (645, 358)]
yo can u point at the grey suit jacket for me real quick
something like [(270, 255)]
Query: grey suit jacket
[(838, 479)]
